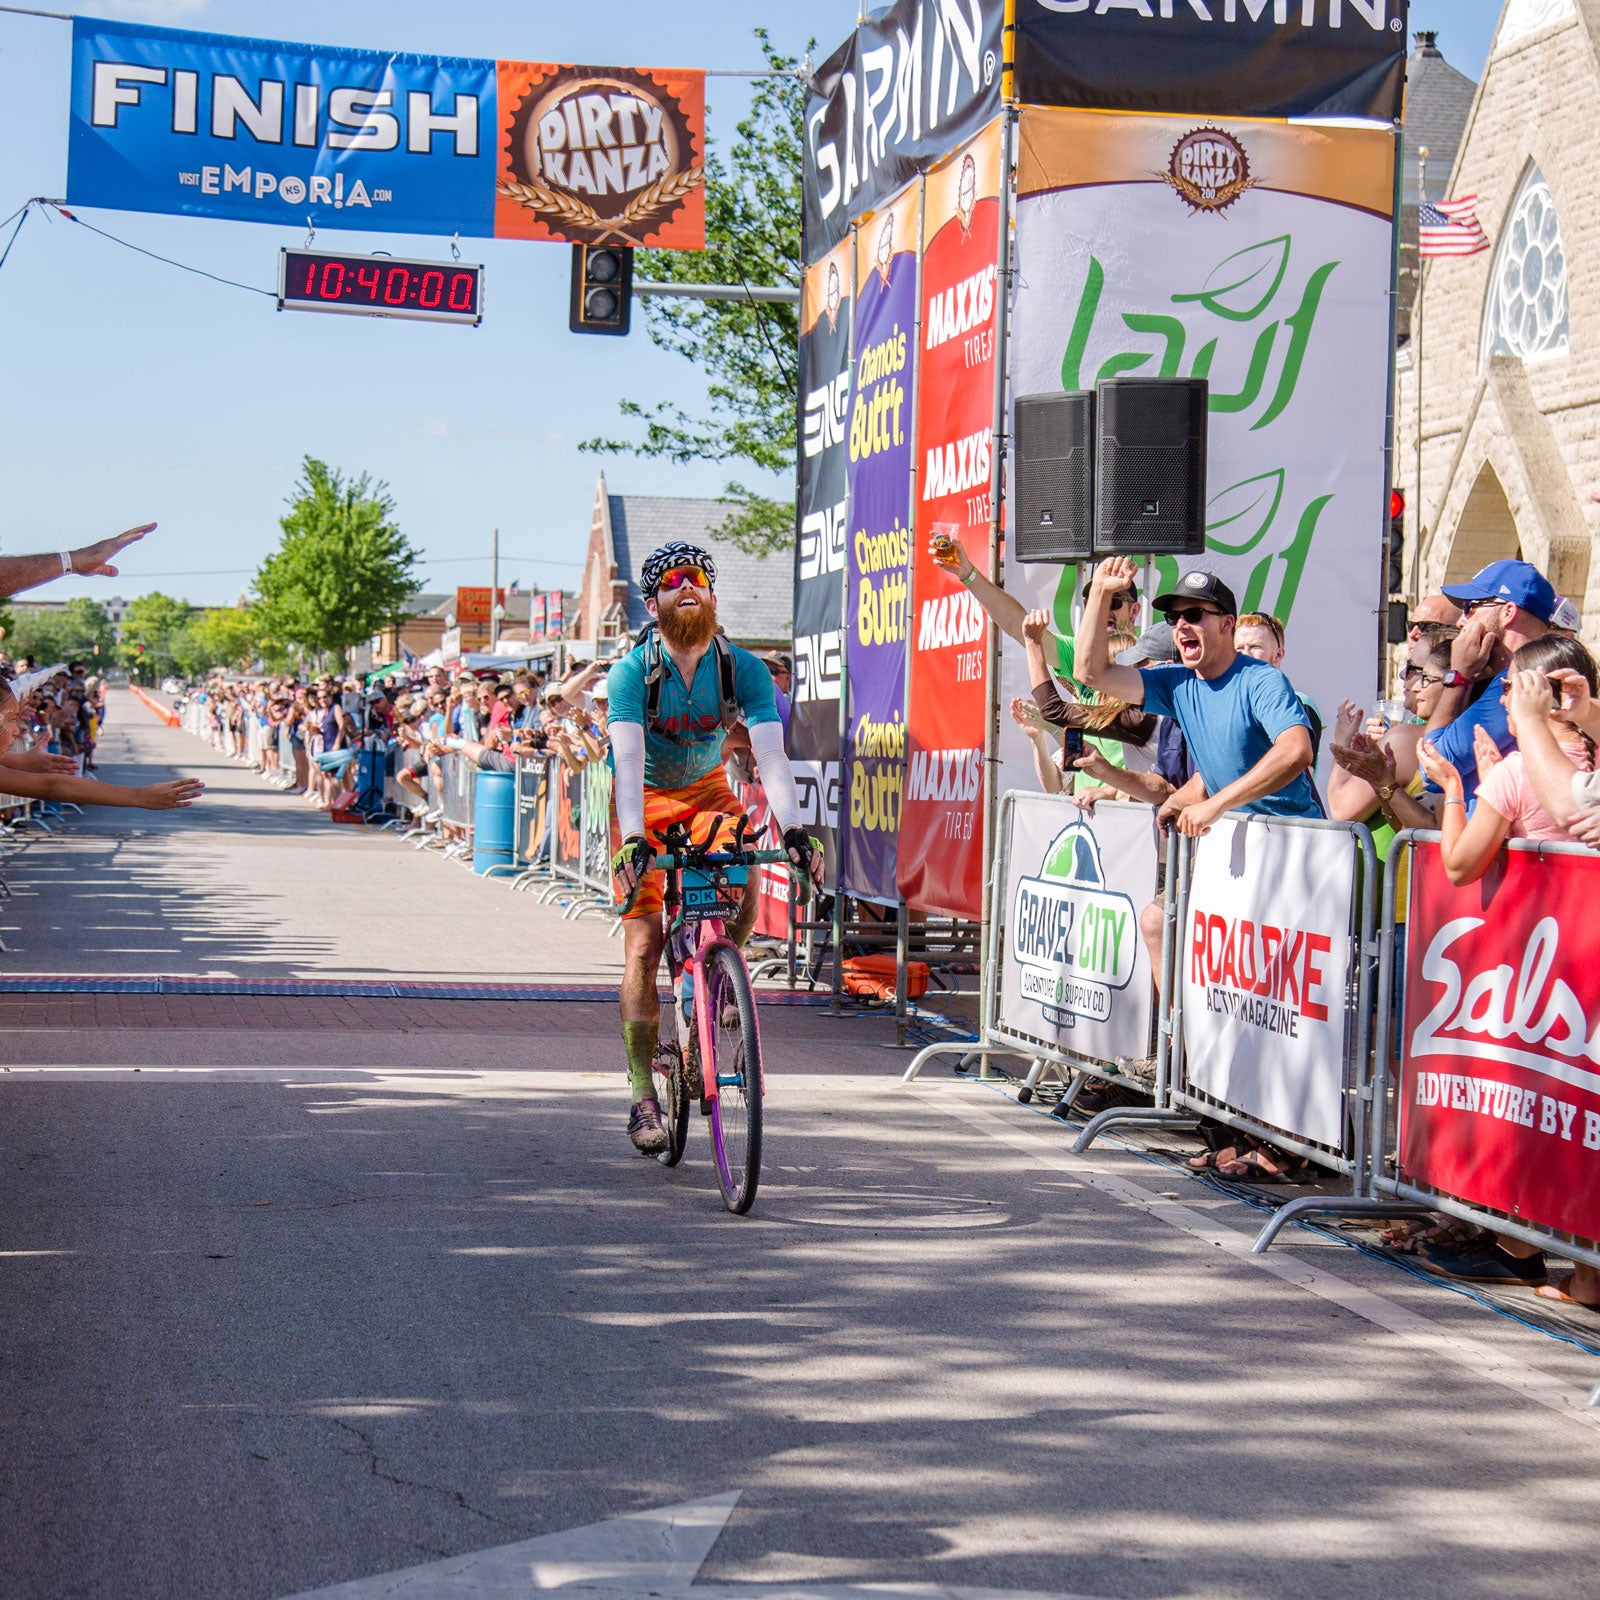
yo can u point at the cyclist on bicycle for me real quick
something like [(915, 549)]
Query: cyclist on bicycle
[(671, 702)]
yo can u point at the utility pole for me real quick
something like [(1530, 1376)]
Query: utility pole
[(494, 597)]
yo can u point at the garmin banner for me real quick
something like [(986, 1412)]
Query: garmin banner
[(1241, 58), (879, 549), (822, 500), (1075, 975), (915, 79), (256, 131)]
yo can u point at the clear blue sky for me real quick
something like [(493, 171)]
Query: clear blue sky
[(135, 392)]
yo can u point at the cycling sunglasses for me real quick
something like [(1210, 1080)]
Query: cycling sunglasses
[(1193, 615), (677, 577)]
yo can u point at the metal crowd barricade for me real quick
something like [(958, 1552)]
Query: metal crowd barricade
[(531, 822), (594, 847), (459, 792)]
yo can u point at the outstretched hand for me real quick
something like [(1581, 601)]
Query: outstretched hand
[(94, 560), (40, 760), (1115, 574), (171, 796)]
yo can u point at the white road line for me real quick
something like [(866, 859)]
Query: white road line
[(1476, 1357)]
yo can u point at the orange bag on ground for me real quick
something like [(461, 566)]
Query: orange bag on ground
[(874, 975)]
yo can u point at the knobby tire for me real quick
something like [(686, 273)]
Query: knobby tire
[(736, 1113)]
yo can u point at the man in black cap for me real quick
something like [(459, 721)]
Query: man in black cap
[(1246, 728)]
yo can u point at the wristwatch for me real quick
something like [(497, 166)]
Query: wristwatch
[(1386, 794), (1456, 680)]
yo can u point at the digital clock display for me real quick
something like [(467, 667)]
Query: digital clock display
[(380, 286)]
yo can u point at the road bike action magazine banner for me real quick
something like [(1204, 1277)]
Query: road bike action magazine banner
[(1256, 255), (1075, 975), (1266, 963), (1500, 1091), (878, 553), (257, 131), (822, 497), (941, 826)]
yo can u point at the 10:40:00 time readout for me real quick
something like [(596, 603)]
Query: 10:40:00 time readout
[(368, 283)]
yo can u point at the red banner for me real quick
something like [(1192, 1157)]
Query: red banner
[(941, 821), (473, 606), (1500, 1094), (773, 880)]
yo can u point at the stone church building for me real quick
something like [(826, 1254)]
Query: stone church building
[(1510, 338)]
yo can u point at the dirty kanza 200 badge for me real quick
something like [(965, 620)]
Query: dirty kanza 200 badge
[(601, 155)]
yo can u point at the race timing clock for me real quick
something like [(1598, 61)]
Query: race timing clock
[(380, 286)]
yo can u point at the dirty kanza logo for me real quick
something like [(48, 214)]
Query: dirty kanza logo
[(1209, 170), (603, 155)]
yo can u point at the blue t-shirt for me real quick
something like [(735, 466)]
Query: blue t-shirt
[(692, 714), (1231, 722), (1454, 740)]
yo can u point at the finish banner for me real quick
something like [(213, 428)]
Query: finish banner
[(879, 549), (1242, 58), (1075, 975), (1500, 1087), (822, 498), (941, 827), (916, 79), (255, 131), (1266, 962), (1256, 255)]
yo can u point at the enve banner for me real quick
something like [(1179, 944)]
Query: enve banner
[(1074, 974), (1256, 255), (254, 130), (1500, 1090), (878, 554), (1251, 58), (941, 826), (915, 79), (822, 497), (1265, 964)]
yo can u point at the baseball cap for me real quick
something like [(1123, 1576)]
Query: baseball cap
[(599, 691), (1566, 615), (1519, 583), (1202, 586), (1156, 646)]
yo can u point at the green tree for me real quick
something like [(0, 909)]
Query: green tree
[(342, 571), (153, 642), (228, 637), (749, 352)]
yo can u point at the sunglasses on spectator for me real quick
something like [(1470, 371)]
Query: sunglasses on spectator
[(1415, 674), (1477, 605), (1427, 629), (677, 577), (1193, 615)]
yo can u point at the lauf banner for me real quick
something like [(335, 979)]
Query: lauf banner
[(1500, 1089), (822, 500), (941, 830), (256, 131), (1075, 974), (1266, 962), (879, 552)]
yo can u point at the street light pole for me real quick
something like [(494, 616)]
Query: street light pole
[(494, 597), (1422, 200)]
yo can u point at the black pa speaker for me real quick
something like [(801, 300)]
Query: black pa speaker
[(1054, 442), (1150, 495)]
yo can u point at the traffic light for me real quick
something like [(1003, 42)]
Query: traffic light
[(1395, 546), (602, 288)]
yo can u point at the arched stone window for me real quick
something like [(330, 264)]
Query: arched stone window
[(1526, 312)]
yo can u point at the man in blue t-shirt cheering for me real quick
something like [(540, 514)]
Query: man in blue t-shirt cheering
[(1247, 730)]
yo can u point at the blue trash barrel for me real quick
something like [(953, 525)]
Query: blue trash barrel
[(493, 815)]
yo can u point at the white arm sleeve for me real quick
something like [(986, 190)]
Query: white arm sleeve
[(777, 776), (627, 756)]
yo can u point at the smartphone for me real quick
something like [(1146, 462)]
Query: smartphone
[(1073, 743)]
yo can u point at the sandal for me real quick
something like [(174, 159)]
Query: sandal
[(1263, 1164), (1229, 1153), (1554, 1291)]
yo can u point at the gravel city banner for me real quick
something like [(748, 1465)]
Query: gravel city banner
[(1248, 58), (941, 829), (1266, 961), (916, 78), (823, 488), (1256, 255), (257, 131), (879, 548), (1500, 1090), (1075, 975)]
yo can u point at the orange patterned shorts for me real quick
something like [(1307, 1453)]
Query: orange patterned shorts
[(711, 800)]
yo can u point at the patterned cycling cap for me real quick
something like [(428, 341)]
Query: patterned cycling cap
[(677, 554)]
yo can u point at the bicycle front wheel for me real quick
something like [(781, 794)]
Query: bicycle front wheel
[(736, 1068)]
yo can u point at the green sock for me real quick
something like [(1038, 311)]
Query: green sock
[(639, 1040)]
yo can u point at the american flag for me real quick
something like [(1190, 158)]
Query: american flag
[(1451, 229)]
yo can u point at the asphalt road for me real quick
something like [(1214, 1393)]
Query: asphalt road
[(331, 1303)]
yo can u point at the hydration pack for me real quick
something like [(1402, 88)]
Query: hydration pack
[(655, 673)]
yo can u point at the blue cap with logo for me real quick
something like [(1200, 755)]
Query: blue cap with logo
[(1516, 582)]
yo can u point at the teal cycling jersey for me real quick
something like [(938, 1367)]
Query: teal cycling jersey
[(689, 740)]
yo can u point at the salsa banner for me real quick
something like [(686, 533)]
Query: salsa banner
[(822, 500), (1256, 255), (916, 79), (257, 131), (878, 555), (941, 827), (1266, 962), (1075, 975), (1248, 58), (1500, 1083)]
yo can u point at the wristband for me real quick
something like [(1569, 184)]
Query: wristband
[(1454, 800), (66, 561)]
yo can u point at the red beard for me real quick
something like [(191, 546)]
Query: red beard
[(688, 630)]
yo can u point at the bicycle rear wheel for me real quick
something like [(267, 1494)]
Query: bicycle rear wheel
[(736, 1070), (667, 1072)]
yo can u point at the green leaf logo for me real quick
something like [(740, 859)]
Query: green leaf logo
[(1250, 504), (1254, 271)]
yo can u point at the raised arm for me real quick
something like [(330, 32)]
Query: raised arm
[(1006, 612), (1092, 654), (1544, 761), (91, 561)]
